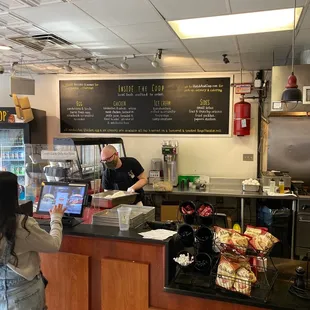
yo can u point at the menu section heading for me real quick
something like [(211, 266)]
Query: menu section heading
[(158, 106)]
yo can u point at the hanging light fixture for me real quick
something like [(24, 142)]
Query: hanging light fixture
[(67, 67), (124, 64), (292, 93)]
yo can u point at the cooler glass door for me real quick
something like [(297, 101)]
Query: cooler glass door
[(12, 152)]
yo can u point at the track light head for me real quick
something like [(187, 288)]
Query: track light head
[(95, 66), (159, 53), (67, 67), (155, 63), (124, 64), (225, 59)]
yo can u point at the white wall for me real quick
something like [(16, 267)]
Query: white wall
[(5, 90), (213, 156)]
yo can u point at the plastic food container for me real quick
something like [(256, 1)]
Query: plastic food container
[(161, 185), (188, 215), (100, 200), (250, 188)]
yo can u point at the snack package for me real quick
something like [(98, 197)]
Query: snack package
[(222, 235), (228, 240), (242, 283), (234, 273), (239, 242), (261, 239), (226, 273), (252, 231)]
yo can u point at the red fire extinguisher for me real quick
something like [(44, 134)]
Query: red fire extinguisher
[(242, 118)]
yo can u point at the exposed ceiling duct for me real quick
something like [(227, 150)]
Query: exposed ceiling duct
[(42, 42)]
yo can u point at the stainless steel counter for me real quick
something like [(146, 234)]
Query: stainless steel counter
[(216, 190), (235, 191)]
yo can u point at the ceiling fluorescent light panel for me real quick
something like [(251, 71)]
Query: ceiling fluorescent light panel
[(236, 24)]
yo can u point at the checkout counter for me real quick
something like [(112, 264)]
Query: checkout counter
[(99, 267)]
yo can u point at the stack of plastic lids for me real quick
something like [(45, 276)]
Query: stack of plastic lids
[(148, 212), (110, 218)]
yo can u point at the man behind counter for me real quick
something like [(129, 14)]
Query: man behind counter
[(124, 173)]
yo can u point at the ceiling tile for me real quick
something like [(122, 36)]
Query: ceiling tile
[(303, 38), (182, 9), (120, 12), (138, 61), (257, 57), (182, 69), (174, 60), (143, 69), (8, 32), (58, 54), (3, 7), (39, 55), (264, 41), (169, 47), (91, 35), (254, 65), (102, 51), (209, 45), (221, 67), (306, 22), (243, 6), (216, 58), (59, 16), (145, 33), (32, 30), (12, 4), (11, 19)]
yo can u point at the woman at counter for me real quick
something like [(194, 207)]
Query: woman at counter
[(21, 238), (124, 173)]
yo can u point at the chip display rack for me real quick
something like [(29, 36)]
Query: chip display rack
[(259, 263)]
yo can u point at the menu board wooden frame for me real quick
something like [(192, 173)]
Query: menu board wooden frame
[(183, 106)]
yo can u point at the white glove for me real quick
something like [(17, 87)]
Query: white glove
[(130, 190)]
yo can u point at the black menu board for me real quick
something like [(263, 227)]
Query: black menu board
[(151, 106)]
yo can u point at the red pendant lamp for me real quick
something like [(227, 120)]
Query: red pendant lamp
[(292, 93)]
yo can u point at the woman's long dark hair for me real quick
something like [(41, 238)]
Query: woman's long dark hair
[(9, 208)]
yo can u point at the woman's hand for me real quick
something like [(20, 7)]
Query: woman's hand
[(58, 210)]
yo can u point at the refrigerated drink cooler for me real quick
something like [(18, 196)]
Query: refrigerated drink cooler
[(14, 137), (12, 152)]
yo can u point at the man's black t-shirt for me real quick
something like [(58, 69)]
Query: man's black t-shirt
[(124, 177)]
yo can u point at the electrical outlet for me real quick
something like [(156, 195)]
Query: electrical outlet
[(248, 157)]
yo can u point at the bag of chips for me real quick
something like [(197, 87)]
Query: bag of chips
[(228, 240), (226, 273), (261, 239), (234, 274)]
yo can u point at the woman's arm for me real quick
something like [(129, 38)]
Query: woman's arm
[(41, 241)]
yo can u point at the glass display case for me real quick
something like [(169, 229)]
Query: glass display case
[(59, 163), (88, 153)]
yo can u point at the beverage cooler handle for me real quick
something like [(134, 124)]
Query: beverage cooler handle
[(303, 221)]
